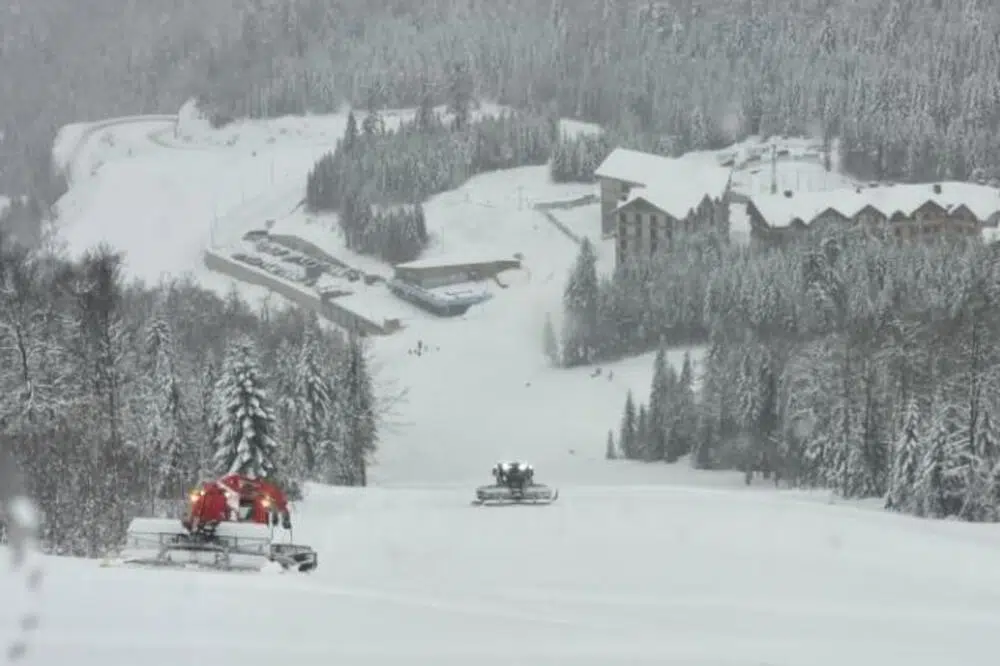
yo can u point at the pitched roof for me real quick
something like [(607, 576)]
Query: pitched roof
[(679, 197), (673, 185), (779, 210), (632, 166)]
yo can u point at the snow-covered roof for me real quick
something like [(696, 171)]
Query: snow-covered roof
[(673, 185), (633, 166), (679, 194), (455, 260), (779, 210)]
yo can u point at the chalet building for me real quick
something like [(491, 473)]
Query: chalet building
[(647, 199), (906, 212)]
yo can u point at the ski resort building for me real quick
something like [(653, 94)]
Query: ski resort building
[(906, 212), (646, 199), (446, 287)]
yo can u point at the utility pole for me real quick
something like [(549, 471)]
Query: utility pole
[(774, 169)]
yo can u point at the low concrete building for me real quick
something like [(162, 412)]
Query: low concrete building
[(431, 273)]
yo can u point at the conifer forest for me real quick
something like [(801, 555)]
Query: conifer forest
[(870, 368), (118, 398)]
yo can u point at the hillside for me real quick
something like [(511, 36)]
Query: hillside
[(907, 85), (666, 574), (481, 387)]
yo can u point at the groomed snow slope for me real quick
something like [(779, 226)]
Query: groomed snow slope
[(636, 564), (640, 575)]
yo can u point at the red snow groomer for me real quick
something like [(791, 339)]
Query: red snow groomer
[(229, 524)]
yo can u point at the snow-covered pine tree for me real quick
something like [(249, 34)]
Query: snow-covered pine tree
[(350, 133), (426, 120), (642, 434), (686, 406), (244, 443), (659, 399), (421, 219), (941, 473), (206, 411), (988, 448), (171, 459), (314, 401), (580, 301), (906, 463), (610, 451), (627, 432), (357, 410)]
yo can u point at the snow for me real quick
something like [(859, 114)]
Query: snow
[(780, 210), (376, 304), (638, 564), (454, 260), (571, 128), (681, 187), (646, 574), (637, 167)]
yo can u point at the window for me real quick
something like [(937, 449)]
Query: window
[(653, 237)]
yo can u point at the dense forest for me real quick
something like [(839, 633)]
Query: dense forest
[(117, 398), (911, 86), (863, 366), (377, 178)]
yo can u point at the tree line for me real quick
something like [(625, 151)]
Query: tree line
[(117, 396), (376, 178), (911, 87), (643, 304), (869, 367)]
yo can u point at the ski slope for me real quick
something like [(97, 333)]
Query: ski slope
[(669, 574), (636, 564)]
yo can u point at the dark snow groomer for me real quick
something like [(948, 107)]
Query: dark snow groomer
[(515, 484)]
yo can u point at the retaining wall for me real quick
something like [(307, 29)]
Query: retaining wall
[(328, 309)]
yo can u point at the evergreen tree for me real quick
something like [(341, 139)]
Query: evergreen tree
[(350, 133), (610, 451), (659, 406), (315, 404), (421, 219), (686, 406), (580, 301), (244, 442), (906, 463), (171, 459), (426, 119), (642, 434), (460, 89), (357, 410), (627, 434)]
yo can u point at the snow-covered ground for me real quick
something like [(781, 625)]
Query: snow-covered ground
[(637, 564), (666, 574), (163, 190)]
